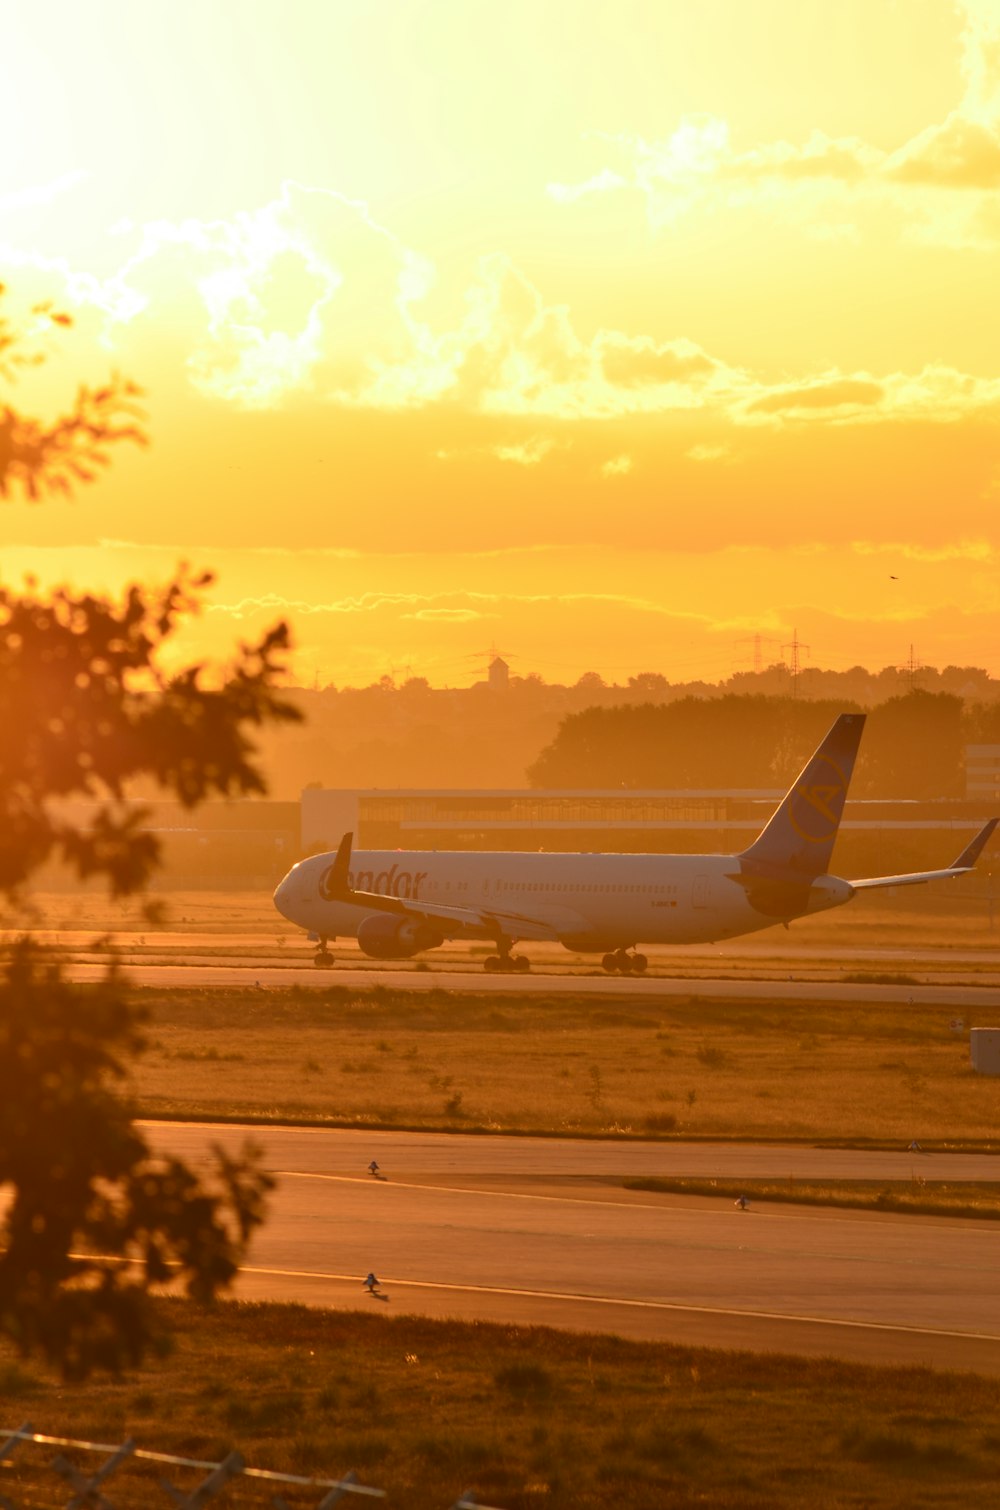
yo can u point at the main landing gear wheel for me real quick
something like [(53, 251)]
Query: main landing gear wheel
[(323, 959), (495, 964), (625, 962)]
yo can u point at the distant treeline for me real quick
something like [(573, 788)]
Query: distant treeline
[(414, 735), (913, 745)]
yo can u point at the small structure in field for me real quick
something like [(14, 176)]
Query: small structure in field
[(984, 1050)]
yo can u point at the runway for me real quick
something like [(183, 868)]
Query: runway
[(985, 997), (529, 1231)]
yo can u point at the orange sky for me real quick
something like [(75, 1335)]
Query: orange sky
[(609, 335)]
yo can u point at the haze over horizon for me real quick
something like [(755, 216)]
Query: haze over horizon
[(611, 337)]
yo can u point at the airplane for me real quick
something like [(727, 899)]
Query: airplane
[(398, 903)]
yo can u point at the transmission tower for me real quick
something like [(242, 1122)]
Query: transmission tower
[(795, 662), (761, 646), (913, 669)]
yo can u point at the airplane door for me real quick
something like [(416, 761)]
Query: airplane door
[(701, 891)]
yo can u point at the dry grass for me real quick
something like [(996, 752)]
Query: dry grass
[(696, 1068), (525, 1416), (977, 1200)]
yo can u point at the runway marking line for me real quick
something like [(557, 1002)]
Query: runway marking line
[(644, 1305), (572, 1295)]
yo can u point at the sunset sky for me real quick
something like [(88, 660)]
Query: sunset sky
[(609, 335)]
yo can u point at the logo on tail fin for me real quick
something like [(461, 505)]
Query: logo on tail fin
[(814, 810)]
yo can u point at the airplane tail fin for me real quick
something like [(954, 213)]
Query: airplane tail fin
[(797, 842)]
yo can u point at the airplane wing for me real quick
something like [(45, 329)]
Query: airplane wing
[(549, 924), (966, 861)]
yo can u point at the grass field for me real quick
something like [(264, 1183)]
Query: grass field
[(974, 1199), (525, 1417), (747, 1069)]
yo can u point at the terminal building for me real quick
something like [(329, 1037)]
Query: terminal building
[(249, 845), (982, 773)]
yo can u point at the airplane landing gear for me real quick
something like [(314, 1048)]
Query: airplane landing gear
[(625, 962), (497, 963), (504, 961), (323, 959)]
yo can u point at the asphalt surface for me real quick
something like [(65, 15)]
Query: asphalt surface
[(541, 1231), (985, 997)]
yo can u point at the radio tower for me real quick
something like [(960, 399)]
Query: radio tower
[(795, 665)]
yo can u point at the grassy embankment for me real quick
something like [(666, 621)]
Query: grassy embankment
[(917, 1197), (851, 1074), (525, 1416)]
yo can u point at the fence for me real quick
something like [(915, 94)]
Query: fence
[(85, 1493)]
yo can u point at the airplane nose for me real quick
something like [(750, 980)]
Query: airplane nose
[(283, 896)]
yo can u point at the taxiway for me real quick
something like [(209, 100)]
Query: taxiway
[(541, 1231), (983, 996)]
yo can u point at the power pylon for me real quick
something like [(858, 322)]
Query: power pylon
[(795, 663), (760, 645), (913, 669)]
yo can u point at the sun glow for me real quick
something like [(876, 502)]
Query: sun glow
[(458, 314)]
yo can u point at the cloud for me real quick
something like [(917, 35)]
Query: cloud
[(39, 194), (639, 362), (959, 154), (982, 552), (617, 466), (936, 394), (286, 298), (705, 452), (448, 615), (836, 394), (697, 167), (845, 160), (524, 454), (308, 295), (330, 552), (513, 354), (455, 606)]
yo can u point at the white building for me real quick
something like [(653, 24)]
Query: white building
[(982, 771)]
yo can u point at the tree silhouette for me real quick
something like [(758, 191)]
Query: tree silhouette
[(51, 457), (93, 1217)]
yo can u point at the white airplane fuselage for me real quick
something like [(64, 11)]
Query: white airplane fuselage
[(589, 901)]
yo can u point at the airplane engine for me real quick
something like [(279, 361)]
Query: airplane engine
[(383, 937)]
